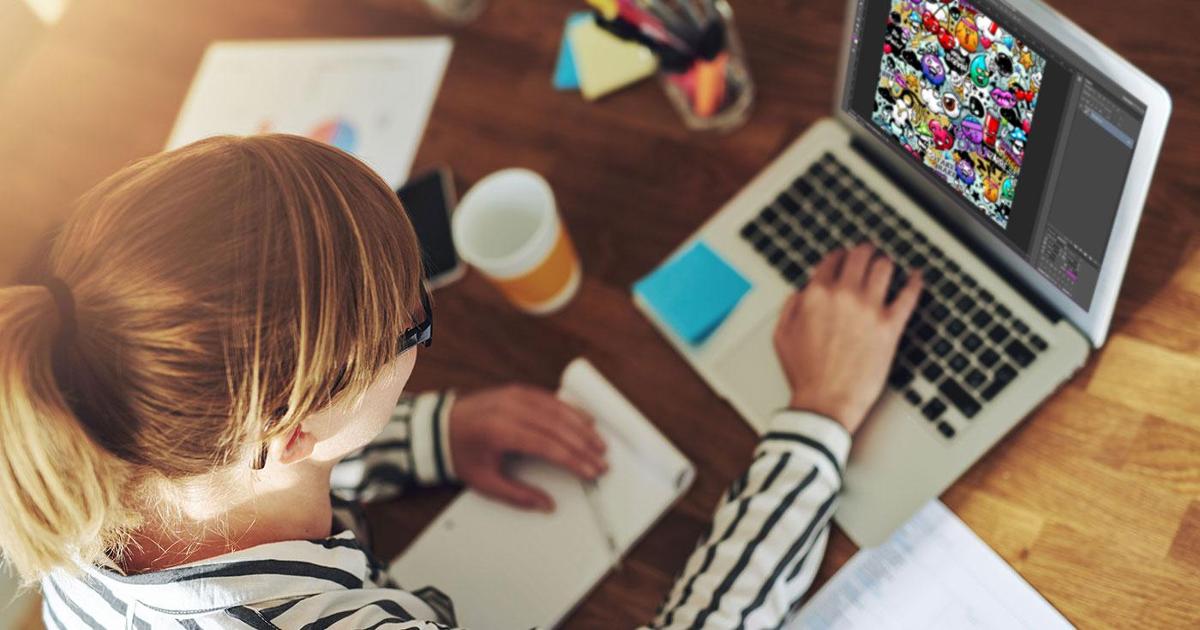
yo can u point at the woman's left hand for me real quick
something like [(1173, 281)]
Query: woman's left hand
[(488, 426)]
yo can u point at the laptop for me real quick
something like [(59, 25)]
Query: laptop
[(992, 146)]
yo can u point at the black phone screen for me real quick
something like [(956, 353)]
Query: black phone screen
[(424, 199)]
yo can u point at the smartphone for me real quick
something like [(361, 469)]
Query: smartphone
[(429, 200)]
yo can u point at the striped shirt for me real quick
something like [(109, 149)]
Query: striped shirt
[(750, 569)]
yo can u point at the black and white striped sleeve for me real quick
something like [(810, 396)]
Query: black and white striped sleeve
[(413, 449), (768, 533)]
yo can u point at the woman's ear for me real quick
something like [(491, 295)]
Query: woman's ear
[(297, 447)]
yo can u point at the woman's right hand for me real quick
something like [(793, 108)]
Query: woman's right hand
[(836, 338)]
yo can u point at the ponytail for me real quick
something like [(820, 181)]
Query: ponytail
[(60, 493)]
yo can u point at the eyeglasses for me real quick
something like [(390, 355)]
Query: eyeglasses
[(421, 334)]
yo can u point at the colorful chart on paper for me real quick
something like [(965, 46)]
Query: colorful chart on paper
[(369, 97)]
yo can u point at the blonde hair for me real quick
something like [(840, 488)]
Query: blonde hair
[(223, 291)]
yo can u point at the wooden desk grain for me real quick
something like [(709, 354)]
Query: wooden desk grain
[(1095, 500)]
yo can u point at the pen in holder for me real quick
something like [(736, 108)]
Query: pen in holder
[(715, 92), (701, 64)]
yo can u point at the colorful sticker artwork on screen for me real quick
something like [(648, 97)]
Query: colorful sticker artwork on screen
[(958, 92)]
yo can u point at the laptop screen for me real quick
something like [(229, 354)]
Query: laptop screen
[(1027, 137)]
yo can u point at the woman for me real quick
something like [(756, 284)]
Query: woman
[(201, 389)]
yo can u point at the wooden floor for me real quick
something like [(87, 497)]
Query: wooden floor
[(1095, 500)]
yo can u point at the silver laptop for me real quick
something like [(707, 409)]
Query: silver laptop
[(995, 148)]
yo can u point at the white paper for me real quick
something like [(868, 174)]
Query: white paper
[(509, 569), (933, 573), (370, 97)]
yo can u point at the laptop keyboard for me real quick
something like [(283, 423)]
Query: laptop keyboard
[(962, 346)]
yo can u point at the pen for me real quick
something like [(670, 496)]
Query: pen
[(710, 84), (590, 488), (671, 59)]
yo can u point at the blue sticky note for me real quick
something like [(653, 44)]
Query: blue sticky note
[(693, 292), (565, 75)]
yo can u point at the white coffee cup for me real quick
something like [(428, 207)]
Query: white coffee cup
[(508, 227)]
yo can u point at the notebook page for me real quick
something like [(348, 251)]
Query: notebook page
[(646, 472), (934, 572), (584, 387), (506, 568)]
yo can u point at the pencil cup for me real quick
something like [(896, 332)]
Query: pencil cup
[(457, 11), (714, 94), (507, 226)]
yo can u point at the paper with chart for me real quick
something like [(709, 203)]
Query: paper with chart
[(933, 573), (370, 97)]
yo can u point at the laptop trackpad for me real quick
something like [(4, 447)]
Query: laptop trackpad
[(750, 376)]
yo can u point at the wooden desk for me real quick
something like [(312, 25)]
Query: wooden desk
[(1095, 499)]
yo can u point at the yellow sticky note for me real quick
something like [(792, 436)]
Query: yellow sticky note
[(606, 63), (607, 8)]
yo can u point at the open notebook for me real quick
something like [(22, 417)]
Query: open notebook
[(510, 569)]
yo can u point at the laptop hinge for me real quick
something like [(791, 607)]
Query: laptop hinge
[(901, 182)]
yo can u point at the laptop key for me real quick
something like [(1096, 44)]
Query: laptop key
[(1002, 311), (959, 397), (802, 186), (998, 333), (945, 429), (750, 231), (939, 312), (763, 243), (932, 372), (981, 318), (912, 397), (941, 347), (900, 377), (775, 256), (988, 357), (1004, 376), (975, 378), (1038, 343), (1020, 326), (1006, 372), (925, 332), (916, 356), (949, 289), (971, 342), (958, 362), (933, 409), (791, 271), (1019, 352), (770, 215), (965, 304), (955, 327), (986, 296)]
